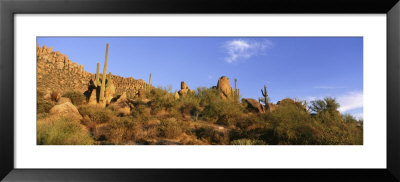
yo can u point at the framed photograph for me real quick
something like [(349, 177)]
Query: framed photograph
[(106, 91)]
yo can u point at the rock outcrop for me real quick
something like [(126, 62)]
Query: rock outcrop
[(121, 105), (67, 109), (271, 107), (253, 105), (56, 72), (176, 95), (184, 89), (224, 87)]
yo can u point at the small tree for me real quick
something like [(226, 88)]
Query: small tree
[(328, 104)]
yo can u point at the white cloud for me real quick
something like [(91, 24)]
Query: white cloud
[(241, 49), (350, 101)]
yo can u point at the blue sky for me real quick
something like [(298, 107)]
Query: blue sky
[(306, 68)]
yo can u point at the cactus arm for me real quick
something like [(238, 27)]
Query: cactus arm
[(97, 81), (103, 83)]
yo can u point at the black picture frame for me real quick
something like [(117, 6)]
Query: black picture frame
[(9, 8)]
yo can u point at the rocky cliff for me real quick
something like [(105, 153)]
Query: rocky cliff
[(56, 72)]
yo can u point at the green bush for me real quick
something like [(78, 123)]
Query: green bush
[(211, 136), (347, 118), (97, 114), (327, 104), (62, 131), (247, 142), (170, 128), (124, 130), (43, 106), (291, 124), (223, 111), (338, 130), (160, 98), (77, 98), (188, 105), (139, 111)]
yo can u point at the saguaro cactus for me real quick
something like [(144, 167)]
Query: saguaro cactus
[(150, 81), (235, 84), (265, 95), (103, 81), (236, 91), (97, 81)]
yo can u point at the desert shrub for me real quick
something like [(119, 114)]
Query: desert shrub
[(62, 131), (332, 127), (329, 117), (77, 98), (54, 96), (43, 106), (170, 128), (262, 132), (188, 105), (42, 115), (209, 135), (338, 130), (39, 93), (247, 142), (223, 111), (250, 121), (160, 98), (97, 114), (140, 111), (124, 130), (292, 124), (348, 118)]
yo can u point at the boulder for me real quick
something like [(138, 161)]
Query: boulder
[(184, 85), (92, 98), (66, 109), (176, 95), (271, 107), (109, 92), (184, 89), (224, 87), (123, 96), (121, 105), (253, 105)]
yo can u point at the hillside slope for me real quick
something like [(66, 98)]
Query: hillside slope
[(56, 72)]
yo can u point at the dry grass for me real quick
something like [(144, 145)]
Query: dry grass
[(62, 131)]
